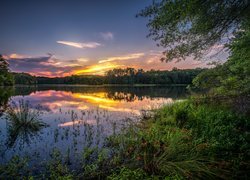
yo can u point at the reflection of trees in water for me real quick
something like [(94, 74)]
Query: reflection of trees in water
[(21, 134), (5, 94), (127, 93), (140, 93), (122, 96)]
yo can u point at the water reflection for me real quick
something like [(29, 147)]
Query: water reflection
[(78, 117), (116, 93), (110, 98), (21, 135), (5, 94)]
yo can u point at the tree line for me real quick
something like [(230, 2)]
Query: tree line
[(116, 76)]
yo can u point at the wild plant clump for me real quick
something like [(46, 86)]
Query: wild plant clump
[(185, 140), (23, 122), (23, 115)]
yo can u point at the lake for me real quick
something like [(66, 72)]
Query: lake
[(77, 117)]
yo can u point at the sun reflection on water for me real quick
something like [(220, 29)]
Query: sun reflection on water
[(120, 102), (80, 117)]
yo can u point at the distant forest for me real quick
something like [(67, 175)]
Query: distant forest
[(116, 76)]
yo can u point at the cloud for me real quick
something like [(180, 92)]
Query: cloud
[(80, 45), (107, 35), (83, 59), (122, 58), (44, 66), (15, 56), (50, 66), (151, 60)]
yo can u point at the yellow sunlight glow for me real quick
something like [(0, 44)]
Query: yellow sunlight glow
[(95, 98), (97, 69)]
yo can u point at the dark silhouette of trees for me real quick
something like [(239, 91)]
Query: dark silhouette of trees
[(133, 76), (117, 76), (24, 78), (6, 78)]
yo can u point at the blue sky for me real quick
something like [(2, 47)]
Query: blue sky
[(79, 35)]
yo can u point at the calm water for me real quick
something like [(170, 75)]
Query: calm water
[(78, 117)]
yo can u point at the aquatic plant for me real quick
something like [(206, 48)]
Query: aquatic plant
[(22, 121), (126, 173), (56, 168), (16, 167)]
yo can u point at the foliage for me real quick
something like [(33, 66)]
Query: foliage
[(6, 78), (56, 169), (191, 28), (133, 76), (3, 65), (126, 173), (187, 140), (188, 28), (15, 168), (24, 78), (233, 77), (23, 114)]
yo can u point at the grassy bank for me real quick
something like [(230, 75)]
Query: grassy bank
[(187, 139)]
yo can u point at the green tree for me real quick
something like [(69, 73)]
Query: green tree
[(3, 65), (192, 27), (24, 78), (233, 77), (6, 78)]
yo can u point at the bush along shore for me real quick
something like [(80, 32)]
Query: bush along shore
[(183, 140)]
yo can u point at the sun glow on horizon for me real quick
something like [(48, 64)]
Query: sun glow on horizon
[(98, 69)]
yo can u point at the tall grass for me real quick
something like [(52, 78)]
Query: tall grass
[(186, 140), (22, 121)]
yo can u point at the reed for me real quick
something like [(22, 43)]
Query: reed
[(22, 121)]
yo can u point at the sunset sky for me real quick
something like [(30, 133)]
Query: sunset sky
[(64, 37)]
